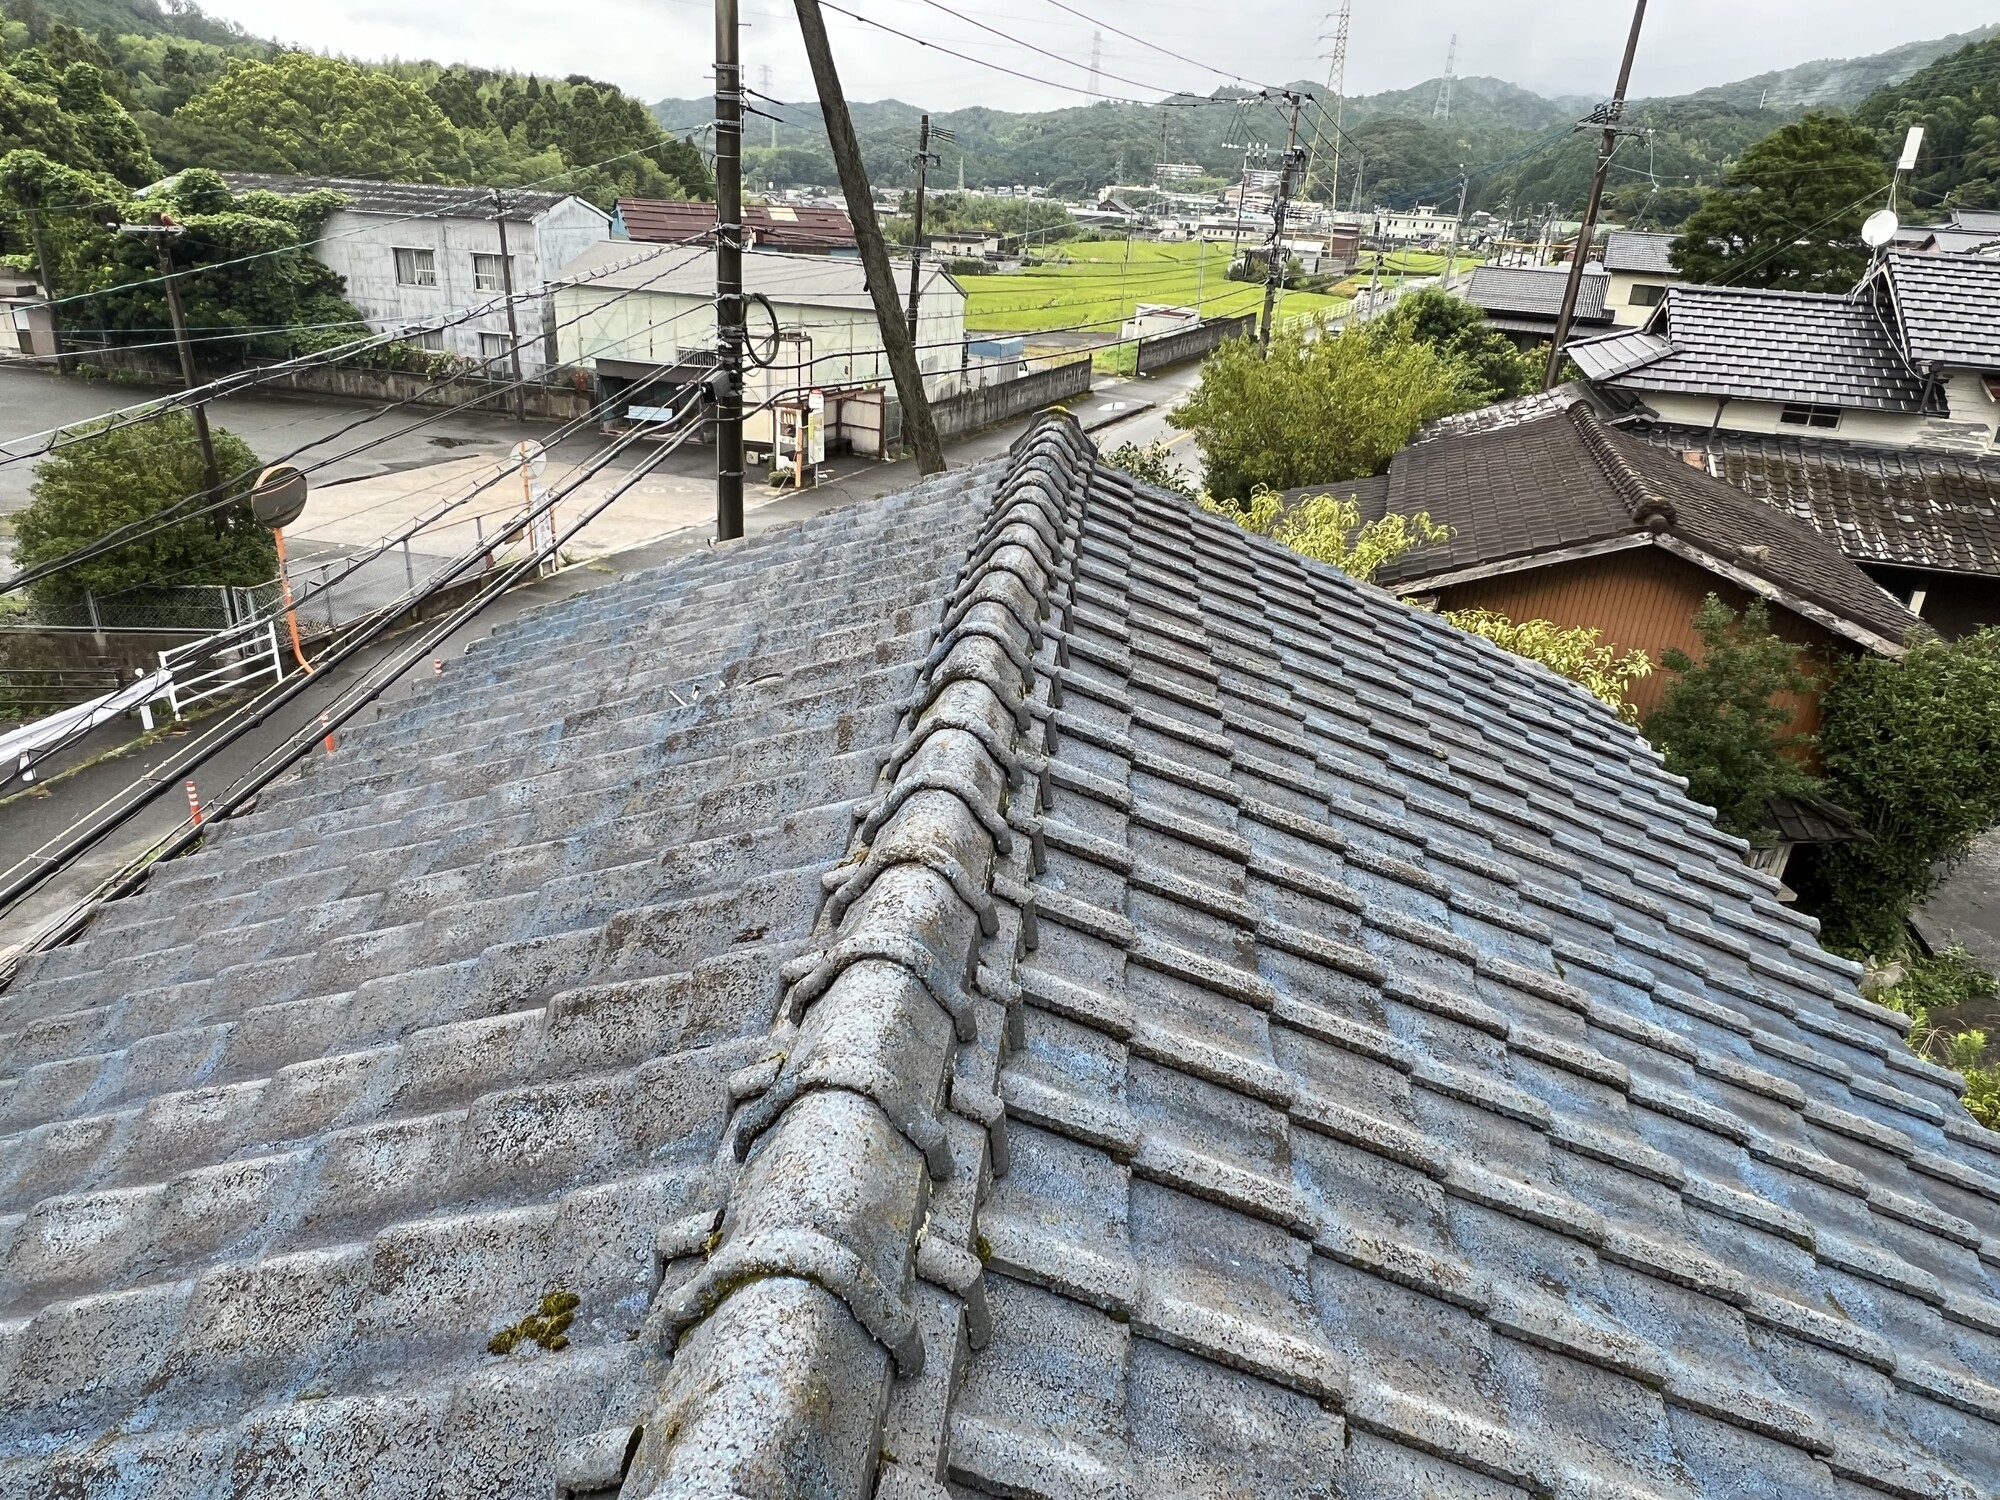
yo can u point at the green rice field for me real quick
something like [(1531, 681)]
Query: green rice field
[(1098, 284)]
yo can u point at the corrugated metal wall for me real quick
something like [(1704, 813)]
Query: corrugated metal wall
[(1642, 599)]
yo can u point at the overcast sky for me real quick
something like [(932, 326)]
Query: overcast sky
[(663, 47)]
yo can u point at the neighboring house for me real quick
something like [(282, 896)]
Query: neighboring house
[(1524, 302), (1561, 517), (803, 228), (1910, 359), (635, 316), (1017, 988), (415, 253), (1641, 269), (1924, 525), (1968, 232)]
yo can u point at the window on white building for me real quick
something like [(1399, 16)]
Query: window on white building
[(494, 346), (1799, 415), (1644, 295), (489, 272), (416, 268), (433, 341)]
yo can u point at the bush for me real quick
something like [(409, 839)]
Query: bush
[(1940, 984), (1329, 530), (1317, 410), (91, 487), (1719, 726), (1152, 465), (1911, 746), (1578, 654)]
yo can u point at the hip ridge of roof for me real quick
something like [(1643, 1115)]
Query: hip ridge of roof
[(877, 1104)]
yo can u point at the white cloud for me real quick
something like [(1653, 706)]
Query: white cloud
[(664, 47)]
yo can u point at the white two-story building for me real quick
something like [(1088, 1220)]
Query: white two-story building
[(420, 254)]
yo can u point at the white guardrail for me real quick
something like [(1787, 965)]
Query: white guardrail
[(221, 663)]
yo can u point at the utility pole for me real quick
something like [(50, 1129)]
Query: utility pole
[(918, 426), (48, 284), (1274, 272), (729, 311), (507, 286), (1457, 224), (1613, 115), (163, 234), (922, 162)]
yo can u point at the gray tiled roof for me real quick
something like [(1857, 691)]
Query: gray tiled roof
[(1636, 251), (403, 199), (1257, 1041), (1759, 345), (1948, 307), (1515, 492), (1512, 413), (1537, 291), (1901, 506)]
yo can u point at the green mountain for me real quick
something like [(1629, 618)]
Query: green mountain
[(130, 18), (1516, 146)]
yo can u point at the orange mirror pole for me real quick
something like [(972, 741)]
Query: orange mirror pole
[(285, 584)]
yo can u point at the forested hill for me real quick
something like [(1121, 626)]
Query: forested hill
[(1514, 138)]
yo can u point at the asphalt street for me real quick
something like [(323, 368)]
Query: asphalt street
[(32, 817)]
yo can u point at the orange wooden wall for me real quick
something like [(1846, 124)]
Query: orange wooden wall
[(1643, 598)]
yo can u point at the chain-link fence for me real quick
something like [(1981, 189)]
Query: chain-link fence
[(202, 607)]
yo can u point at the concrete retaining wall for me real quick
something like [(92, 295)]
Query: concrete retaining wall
[(991, 405), (1192, 343)]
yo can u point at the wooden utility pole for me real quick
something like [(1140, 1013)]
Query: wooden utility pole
[(918, 426), (48, 284), (507, 286), (163, 234), (1457, 227), (923, 161), (729, 310), (1274, 272), (1614, 115)]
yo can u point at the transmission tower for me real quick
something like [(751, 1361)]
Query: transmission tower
[(1336, 85), (1442, 109), (1096, 62)]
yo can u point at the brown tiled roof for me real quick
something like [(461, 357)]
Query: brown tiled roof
[(776, 226), (1568, 481), (1899, 506)]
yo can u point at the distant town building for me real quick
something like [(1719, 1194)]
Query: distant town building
[(1151, 319), (413, 253), (1177, 171), (1424, 225), (966, 244)]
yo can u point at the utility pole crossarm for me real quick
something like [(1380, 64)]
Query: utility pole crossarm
[(1613, 114)]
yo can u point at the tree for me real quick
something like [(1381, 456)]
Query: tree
[(1910, 746), (1316, 410), (1577, 654), (325, 117), (71, 116), (279, 304), (1494, 370), (89, 488), (1330, 530), (1789, 214), (1720, 725), (1957, 101)]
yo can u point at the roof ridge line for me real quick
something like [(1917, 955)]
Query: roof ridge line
[(873, 1120), (1646, 505)]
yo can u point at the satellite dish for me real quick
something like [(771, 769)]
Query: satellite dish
[(278, 496), (531, 456), (1880, 228)]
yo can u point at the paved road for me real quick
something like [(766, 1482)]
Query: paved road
[(31, 817)]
